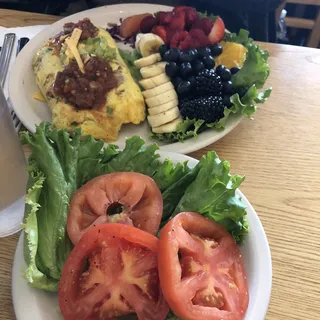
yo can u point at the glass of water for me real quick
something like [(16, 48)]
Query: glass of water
[(13, 176)]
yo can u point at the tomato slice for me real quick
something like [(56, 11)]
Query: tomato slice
[(201, 270), (136, 195), (112, 271)]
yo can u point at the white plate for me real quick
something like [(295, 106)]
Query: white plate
[(22, 83), (34, 304)]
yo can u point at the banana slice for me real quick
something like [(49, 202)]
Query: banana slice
[(148, 61), (163, 107), (163, 118), (149, 44), (157, 90), (168, 127), (137, 43), (161, 98), (154, 81), (152, 71)]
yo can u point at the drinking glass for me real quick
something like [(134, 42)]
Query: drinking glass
[(13, 176)]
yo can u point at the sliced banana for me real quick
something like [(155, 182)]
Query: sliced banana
[(163, 107), (168, 127), (161, 98), (154, 81), (138, 38), (162, 118), (152, 71), (148, 61), (149, 44), (157, 90)]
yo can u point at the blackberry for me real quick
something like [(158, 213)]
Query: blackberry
[(208, 108), (208, 82)]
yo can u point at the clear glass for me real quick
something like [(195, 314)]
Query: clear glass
[(13, 176)]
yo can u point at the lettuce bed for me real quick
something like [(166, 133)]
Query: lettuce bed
[(60, 163)]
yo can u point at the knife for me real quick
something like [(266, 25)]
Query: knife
[(21, 43)]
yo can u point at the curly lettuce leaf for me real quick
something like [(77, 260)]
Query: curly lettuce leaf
[(129, 58), (212, 194), (34, 276)]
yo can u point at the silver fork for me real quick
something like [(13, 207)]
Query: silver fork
[(5, 58)]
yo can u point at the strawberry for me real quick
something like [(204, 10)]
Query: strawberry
[(217, 32), (164, 18), (170, 33), (161, 32), (188, 43), (204, 24), (200, 36), (191, 16), (180, 9), (178, 21), (177, 38), (147, 24)]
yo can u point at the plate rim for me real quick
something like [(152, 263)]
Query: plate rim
[(188, 146), (262, 300)]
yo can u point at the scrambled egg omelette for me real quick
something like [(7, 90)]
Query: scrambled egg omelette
[(121, 103)]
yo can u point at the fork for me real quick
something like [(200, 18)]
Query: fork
[(5, 57)]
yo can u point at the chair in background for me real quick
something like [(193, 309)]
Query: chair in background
[(302, 23)]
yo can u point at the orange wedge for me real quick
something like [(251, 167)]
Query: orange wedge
[(233, 55)]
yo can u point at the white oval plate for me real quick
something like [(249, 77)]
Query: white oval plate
[(34, 304), (22, 82)]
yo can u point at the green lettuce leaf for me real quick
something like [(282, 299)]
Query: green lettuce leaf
[(31, 233), (212, 194), (129, 58)]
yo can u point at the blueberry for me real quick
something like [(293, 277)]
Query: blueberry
[(216, 50), (234, 70), (209, 62), (187, 56), (192, 80), (196, 53), (219, 69), (226, 101), (185, 69), (171, 69), (163, 49), (172, 55), (227, 87), (176, 81), (204, 52), (184, 87), (225, 74), (198, 66)]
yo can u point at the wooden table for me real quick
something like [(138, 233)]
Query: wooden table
[(279, 152)]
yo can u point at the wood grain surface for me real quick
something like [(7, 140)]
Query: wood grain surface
[(279, 153)]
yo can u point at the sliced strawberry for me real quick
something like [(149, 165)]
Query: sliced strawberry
[(191, 16), (200, 36), (204, 24), (147, 24), (177, 38), (217, 32), (161, 32), (170, 33), (178, 21), (164, 18)]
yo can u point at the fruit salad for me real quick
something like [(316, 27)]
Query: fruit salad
[(194, 73)]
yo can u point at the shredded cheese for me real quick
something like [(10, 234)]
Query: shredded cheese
[(39, 96), (72, 44)]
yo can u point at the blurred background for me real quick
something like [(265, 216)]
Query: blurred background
[(294, 22)]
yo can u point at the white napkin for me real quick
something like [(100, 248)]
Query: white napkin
[(20, 32)]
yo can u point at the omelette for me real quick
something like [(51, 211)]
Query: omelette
[(86, 83)]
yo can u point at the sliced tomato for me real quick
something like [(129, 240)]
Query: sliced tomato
[(136, 197), (201, 270), (112, 271)]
